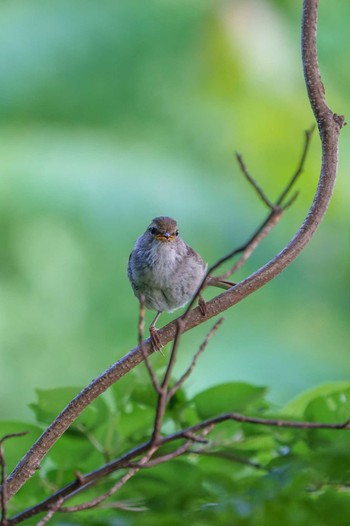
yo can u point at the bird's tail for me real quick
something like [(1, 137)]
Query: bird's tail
[(212, 281)]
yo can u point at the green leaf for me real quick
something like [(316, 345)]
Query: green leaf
[(229, 397), (166, 483), (144, 394), (333, 408), (296, 407), (135, 425), (121, 390), (331, 466)]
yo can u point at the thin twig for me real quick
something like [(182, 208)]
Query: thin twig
[(129, 505), (201, 349), (253, 182), (254, 241), (124, 506), (192, 437), (273, 422), (141, 329), (169, 456), (300, 167), (180, 450), (272, 219), (3, 487), (54, 509), (173, 354), (290, 201), (277, 209), (95, 502), (195, 438)]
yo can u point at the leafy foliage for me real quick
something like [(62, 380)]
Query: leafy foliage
[(252, 474)]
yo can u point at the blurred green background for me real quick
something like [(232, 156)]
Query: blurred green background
[(114, 112)]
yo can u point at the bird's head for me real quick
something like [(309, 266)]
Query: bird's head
[(163, 229)]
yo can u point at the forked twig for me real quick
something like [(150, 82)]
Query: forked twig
[(93, 503), (53, 509), (254, 183), (165, 458), (277, 210), (253, 243)]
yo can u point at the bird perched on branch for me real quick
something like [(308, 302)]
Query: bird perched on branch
[(166, 271)]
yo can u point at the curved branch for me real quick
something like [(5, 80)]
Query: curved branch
[(329, 126)]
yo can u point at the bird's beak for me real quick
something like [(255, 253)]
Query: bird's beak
[(166, 236)]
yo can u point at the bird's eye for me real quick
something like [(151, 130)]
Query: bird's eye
[(153, 231), (176, 233)]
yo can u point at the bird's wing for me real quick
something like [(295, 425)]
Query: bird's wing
[(193, 254), (129, 267)]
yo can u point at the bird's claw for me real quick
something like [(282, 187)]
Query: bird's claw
[(202, 304), (155, 340)]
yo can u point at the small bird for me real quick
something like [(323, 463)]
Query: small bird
[(166, 271)]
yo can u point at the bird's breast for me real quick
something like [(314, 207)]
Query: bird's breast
[(167, 274), (162, 262)]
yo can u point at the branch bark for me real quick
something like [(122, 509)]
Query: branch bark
[(329, 125)]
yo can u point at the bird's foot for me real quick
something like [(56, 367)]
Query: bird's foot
[(202, 304), (155, 340)]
